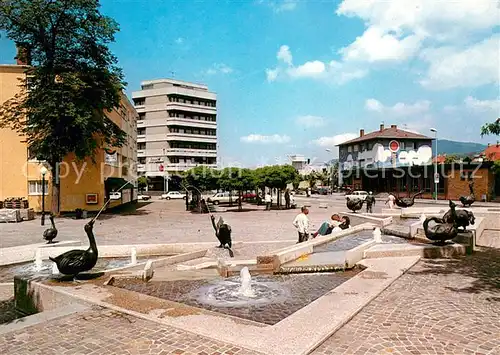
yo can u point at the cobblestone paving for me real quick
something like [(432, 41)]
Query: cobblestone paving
[(105, 332), (168, 222), (301, 290), (439, 307)]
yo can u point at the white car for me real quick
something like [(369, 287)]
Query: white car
[(357, 194), (115, 195), (173, 195), (222, 197), (143, 197)]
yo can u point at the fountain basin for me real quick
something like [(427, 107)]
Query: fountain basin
[(276, 296)]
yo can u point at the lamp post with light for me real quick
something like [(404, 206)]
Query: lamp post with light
[(436, 175), (43, 171)]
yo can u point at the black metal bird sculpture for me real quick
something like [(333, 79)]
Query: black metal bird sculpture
[(76, 261), (464, 218), (50, 233), (407, 201), (346, 223), (469, 199), (223, 233), (354, 204), (442, 231)]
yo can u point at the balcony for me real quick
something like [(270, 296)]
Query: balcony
[(175, 90), (189, 122), (179, 106), (141, 123), (187, 166), (186, 137), (178, 152), (141, 152), (141, 168), (141, 138)]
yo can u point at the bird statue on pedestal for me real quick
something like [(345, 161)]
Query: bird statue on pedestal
[(354, 204), (77, 261), (407, 201), (442, 231), (469, 199), (50, 233)]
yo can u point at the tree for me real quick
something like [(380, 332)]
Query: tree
[(491, 128), (276, 177), (142, 182), (71, 83), (200, 178)]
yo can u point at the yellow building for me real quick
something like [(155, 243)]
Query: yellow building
[(84, 185)]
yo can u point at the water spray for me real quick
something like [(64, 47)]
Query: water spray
[(104, 205)]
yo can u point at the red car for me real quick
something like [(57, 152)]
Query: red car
[(249, 195)]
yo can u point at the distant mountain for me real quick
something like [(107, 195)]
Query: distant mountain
[(454, 147)]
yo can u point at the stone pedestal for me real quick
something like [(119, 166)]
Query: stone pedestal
[(10, 215), (27, 214)]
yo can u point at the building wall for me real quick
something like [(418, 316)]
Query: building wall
[(76, 178), (458, 185), (13, 182)]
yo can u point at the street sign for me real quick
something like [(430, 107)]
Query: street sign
[(394, 146), (436, 178)]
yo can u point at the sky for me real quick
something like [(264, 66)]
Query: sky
[(299, 77)]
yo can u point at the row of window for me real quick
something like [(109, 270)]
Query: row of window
[(200, 131), (193, 160), (369, 146), (209, 118), (185, 100)]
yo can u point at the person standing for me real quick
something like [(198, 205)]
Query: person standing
[(268, 200), (287, 199), (390, 200), (301, 222), (370, 202)]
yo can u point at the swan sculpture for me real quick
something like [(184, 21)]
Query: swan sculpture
[(464, 218), (223, 233), (468, 200), (76, 261), (50, 233), (407, 201), (355, 204), (441, 231)]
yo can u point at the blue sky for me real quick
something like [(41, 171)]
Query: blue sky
[(301, 76)]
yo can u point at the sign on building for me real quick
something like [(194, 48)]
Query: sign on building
[(436, 178)]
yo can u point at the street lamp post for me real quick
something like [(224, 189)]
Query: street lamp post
[(43, 170), (339, 176), (436, 176)]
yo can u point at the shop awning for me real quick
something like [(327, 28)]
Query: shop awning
[(114, 183)]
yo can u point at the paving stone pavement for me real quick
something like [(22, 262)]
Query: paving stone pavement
[(168, 222), (105, 332), (439, 307)]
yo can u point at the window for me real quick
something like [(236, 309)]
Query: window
[(349, 149), (141, 145), (410, 145), (356, 147), (35, 187), (141, 131), (139, 102), (402, 145), (146, 87)]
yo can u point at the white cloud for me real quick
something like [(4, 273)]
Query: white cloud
[(334, 71), (219, 68), (280, 5), (284, 54), (400, 108), (310, 121), (272, 74), (441, 20), (331, 142), (257, 138), (482, 105), (376, 45), (451, 67), (179, 40)]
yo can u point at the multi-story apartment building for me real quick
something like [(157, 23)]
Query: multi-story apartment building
[(84, 184), (176, 130)]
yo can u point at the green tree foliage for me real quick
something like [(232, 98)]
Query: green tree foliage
[(201, 178), (491, 128), (73, 80), (142, 182)]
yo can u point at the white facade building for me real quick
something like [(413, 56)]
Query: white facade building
[(176, 129)]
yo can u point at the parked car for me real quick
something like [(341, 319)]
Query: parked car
[(222, 197), (357, 194), (142, 197), (173, 195), (249, 195), (115, 195)]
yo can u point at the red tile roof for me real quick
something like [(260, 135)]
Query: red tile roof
[(387, 133), (492, 152)]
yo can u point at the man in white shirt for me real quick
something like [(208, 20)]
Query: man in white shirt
[(390, 200), (268, 200), (301, 222)]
